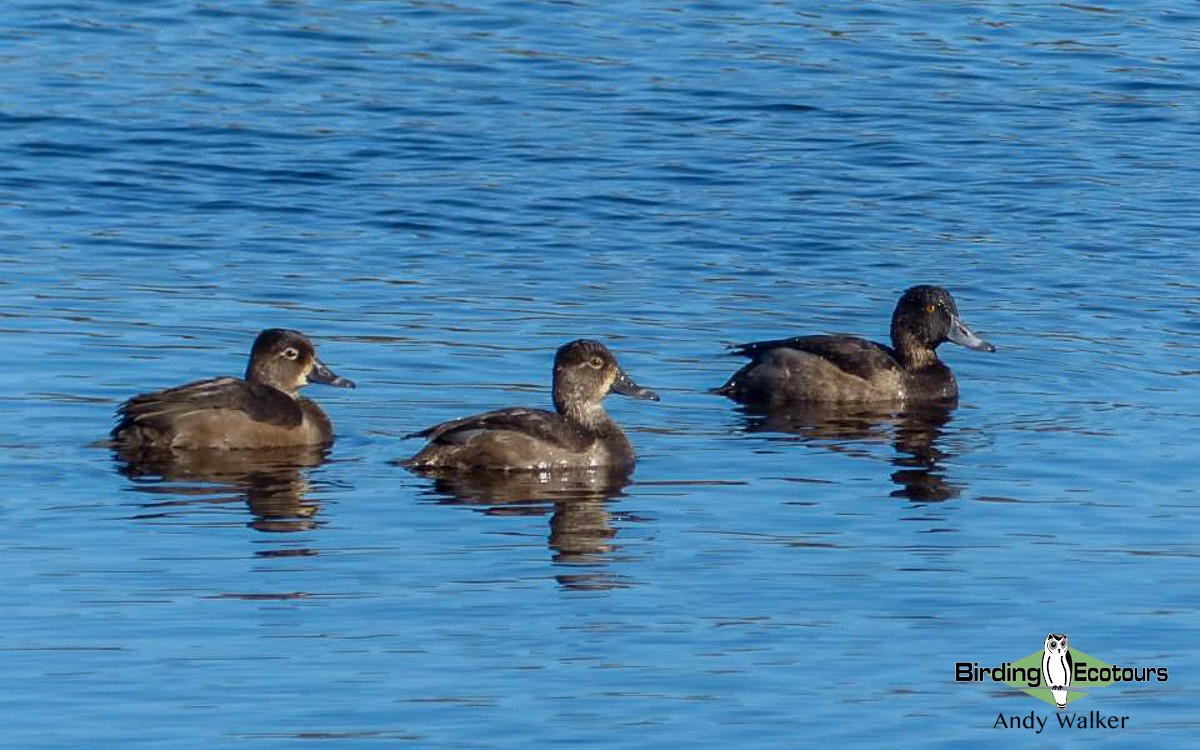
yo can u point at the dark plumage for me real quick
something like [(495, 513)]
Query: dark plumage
[(847, 369), (578, 434), (263, 410)]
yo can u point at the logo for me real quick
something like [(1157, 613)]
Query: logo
[(1058, 675)]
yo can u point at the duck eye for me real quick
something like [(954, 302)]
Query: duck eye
[(291, 353), (930, 308), (596, 362)]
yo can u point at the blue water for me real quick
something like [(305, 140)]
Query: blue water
[(440, 194)]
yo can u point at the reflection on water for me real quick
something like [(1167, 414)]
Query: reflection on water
[(581, 529), (270, 482), (443, 193), (915, 432)]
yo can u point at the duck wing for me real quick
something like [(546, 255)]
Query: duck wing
[(166, 408), (538, 424), (852, 354)]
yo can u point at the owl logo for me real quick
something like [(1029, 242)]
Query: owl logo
[(1057, 667)]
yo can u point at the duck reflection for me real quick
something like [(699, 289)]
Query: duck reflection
[(271, 482), (915, 432), (581, 529)]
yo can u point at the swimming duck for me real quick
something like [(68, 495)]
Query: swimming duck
[(848, 369), (577, 434), (263, 410)]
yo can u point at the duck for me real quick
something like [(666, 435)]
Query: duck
[(578, 434), (842, 369), (262, 410)]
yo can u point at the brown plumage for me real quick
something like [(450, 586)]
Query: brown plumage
[(578, 434), (262, 410), (848, 369)]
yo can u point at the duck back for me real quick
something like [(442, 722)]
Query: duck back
[(223, 413)]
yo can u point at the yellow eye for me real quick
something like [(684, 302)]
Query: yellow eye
[(930, 308)]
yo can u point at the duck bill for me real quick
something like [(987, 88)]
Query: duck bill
[(625, 386), (320, 373), (964, 336)]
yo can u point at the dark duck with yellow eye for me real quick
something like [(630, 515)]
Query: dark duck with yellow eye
[(262, 410), (847, 369), (578, 434)]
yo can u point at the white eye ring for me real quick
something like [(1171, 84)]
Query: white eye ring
[(596, 362), (291, 353)]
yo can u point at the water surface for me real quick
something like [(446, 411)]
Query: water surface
[(442, 194)]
